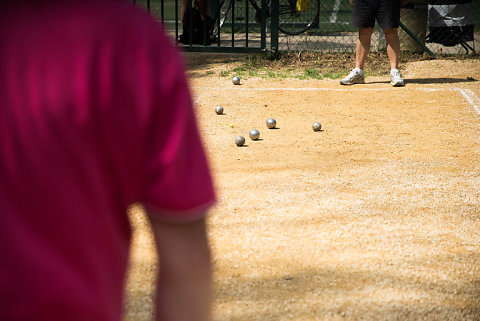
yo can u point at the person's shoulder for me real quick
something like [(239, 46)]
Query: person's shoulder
[(129, 24), (124, 13)]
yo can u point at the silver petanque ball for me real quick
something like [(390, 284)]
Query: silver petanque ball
[(271, 123), (316, 127), (219, 110), (240, 140), (254, 134), (236, 80)]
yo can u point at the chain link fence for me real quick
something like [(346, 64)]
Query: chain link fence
[(443, 26), (437, 26)]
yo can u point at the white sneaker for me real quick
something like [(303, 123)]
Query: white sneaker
[(396, 78), (356, 76)]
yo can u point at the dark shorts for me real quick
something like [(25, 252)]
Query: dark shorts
[(386, 12)]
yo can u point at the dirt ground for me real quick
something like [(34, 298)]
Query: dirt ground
[(376, 217)]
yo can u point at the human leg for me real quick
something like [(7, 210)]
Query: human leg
[(364, 19), (363, 46), (393, 52), (357, 76), (393, 46), (196, 21), (389, 20)]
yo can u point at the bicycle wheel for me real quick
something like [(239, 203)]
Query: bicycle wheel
[(224, 8), (293, 21)]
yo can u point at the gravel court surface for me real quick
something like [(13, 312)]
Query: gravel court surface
[(374, 218)]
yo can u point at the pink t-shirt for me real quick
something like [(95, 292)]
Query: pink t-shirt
[(95, 114)]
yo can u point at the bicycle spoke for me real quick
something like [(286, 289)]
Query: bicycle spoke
[(294, 22)]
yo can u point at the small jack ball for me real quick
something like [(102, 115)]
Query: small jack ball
[(254, 134), (316, 127), (271, 123), (240, 140), (236, 80), (219, 110)]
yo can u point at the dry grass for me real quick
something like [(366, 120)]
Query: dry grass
[(292, 64)]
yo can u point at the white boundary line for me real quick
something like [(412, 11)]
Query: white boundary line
[(299, 89), (469, 95), (471, 98)]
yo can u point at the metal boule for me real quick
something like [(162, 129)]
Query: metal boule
[(254, 134), (240, 141), (271, 123), (219, 110)]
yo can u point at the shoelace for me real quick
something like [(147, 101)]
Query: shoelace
[(396, 74), (353, 73)]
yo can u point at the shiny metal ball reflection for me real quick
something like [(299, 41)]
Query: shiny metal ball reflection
[(254, 134), (236, 80), (316, 127), (240, 141), (219, 110), (271, 123)]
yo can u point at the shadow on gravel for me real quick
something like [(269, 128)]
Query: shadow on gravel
[(427, 81), (198, 60), (339, 294), (439, 80)]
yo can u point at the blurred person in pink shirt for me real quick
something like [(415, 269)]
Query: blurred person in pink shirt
[(96, 114)]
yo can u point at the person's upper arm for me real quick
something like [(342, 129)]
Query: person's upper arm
[(151, 140), (177, 182)]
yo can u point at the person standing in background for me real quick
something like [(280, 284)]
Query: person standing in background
[(365, 13)]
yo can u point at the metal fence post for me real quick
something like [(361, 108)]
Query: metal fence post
[(246, 23), (263, 25), (415, 38), (274, 26), (176, 21)]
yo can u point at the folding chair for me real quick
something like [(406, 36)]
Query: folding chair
[(450, 23)]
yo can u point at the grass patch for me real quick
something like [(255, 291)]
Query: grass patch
[(271, 74), (225, 73), (252, 61), (240, 69), (336, 75), (312, 73), (304, 65)]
